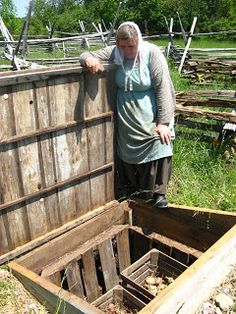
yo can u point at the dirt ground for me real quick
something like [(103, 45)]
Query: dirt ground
[(15, 299)]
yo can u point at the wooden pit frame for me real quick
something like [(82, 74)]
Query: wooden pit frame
[(209, 235)]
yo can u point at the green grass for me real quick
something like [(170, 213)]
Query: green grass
[(201, 176), (7, 288), (200, 42)]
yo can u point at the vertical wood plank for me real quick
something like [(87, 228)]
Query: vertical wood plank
[(109, 157), (47, 164), (79, 145), (60, 113), (108, 264), (94, 105), (5, 237), (123, 247), (10, 181), (25, 121), (74, 279), (90, 276), (55, 278)]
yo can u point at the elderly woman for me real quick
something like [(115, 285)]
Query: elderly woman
[(145, 112)]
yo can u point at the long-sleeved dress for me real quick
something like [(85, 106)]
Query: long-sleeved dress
[(143, 101)]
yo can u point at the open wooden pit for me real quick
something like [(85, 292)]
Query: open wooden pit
[(79, 270)]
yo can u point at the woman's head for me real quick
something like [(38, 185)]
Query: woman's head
[(127, 39)]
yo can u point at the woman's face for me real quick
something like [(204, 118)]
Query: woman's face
[(128, 47)]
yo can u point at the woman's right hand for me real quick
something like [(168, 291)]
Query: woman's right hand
[(93, 65)]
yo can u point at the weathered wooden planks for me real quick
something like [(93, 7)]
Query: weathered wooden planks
[(56, 151), (193, 225), (196, 227), (51, 251), (52, 296), (194, 285)]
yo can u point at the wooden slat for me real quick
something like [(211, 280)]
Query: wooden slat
[(74, 279), (75, 255), (47, 237), (171, 247), (217, 115), (59, 127), (113, 214), (140, 262), (90, 276), (14, 226), (47, 164), (94, 105), (59, 185), (196, 284), (26, 76), (137, 272), (196, 227), (60, 113), (122, 239), (51, 295), (25, 121), (108, 264)]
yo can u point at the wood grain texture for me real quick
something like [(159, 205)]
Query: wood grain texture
[(53, 130), (196, 227), (108, 264), (50, 294), (194, 285)]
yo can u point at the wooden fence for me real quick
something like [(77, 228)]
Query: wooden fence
[(56, 149), (212, 113)]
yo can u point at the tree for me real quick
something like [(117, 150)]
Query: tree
[(7, 12), (49, 11)]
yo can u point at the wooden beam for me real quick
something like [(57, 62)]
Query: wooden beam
[(172, 244), (195, 112), (70, 124), (46, 254), (26, 76), (73, 256), (188, 44), (51, 189), (56, 299), (195, 285), (196, 227), (56, 233)]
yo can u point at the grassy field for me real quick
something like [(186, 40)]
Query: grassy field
[(201, 175), (198, 42)]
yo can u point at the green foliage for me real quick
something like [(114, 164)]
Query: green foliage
[(64, 15), (7, 12)]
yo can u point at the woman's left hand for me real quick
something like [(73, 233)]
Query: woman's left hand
[(164, 133)]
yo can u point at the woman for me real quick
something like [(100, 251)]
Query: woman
[(145, 111)]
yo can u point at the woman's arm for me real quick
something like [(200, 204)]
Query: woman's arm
[(164, 91), (91, 59), (162, 85)]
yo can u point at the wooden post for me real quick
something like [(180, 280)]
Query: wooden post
[(188, 44), (25, 30), (9, 47), (182, 29), (114, 22), (99, 31), (170, 43)]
